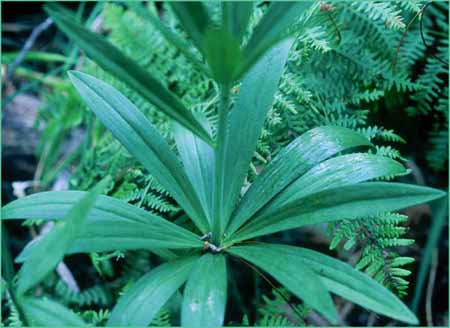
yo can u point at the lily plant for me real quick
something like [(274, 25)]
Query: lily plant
[(323, 175)]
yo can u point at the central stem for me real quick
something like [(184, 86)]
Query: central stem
[(219, 163)]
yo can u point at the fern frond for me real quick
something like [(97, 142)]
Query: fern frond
[(376, 236), (385, 12), (162, 319), (13, 318), (95, 318), (96, 295), (276, 312)]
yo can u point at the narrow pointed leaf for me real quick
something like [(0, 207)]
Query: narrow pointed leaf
[(343, 280), (273, 27), (55, 244), (193, 16), (112, 60), (220, 49), (291, 272), (294, 160), (51, 248), (347, 202), (141, 139), (235, 17), (100, 243), (139, 305), (223, 54), (198, 160), (48, 313), (169, 35), (205, 294), (111, 224), (246, 121), (336, 172)]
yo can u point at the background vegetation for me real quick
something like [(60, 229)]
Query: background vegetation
[(380, 68)]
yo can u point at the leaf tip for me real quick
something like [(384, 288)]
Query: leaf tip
[(410, 318), (76, 77), (332, 315)]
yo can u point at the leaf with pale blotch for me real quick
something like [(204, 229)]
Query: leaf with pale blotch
[(205, 294)]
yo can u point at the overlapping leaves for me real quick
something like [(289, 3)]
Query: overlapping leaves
[(310, 181)]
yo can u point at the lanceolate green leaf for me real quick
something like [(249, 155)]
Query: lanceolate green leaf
[(111, 236), (341, 279), (55, 244), (47, 313), (246, 120), (336, 172), (126, 70), (110, 225), (194, 19), (235, 17), (43, 257), (272, 28), (294, 160), (169, 35), (220, 49), (142, 140), (293, 273), (223, 54), (139, 305), (198, 160), (347, 202), (205, 294)]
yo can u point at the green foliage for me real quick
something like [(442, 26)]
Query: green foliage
[(162, 319), (112, 60), (277, 312), (432, 98), (56, 243), (376, 237), (348, 59), (315, 89), (13, 319), (96, 295), (95, 318), (46, 312), (205, 294)]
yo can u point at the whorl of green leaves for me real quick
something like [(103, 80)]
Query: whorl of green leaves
[(309, 181)]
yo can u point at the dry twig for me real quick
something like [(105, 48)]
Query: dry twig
[(27, 46)]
